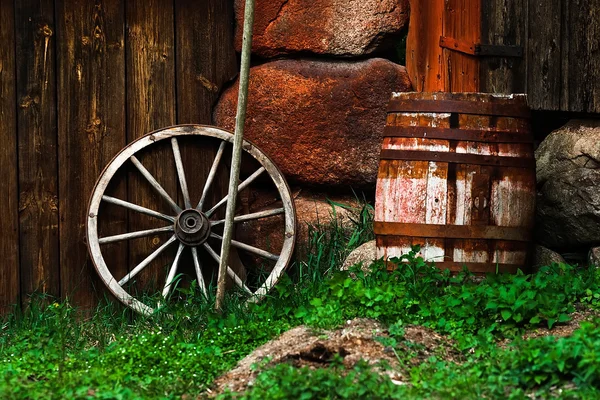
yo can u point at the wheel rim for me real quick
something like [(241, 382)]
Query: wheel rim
[(191, 226)]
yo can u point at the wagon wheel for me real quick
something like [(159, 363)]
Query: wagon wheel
[(189, 225)]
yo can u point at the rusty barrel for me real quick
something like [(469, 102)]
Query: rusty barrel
[(457, 176)]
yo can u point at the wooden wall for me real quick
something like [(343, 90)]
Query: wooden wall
[(559, 39), (79, 79)]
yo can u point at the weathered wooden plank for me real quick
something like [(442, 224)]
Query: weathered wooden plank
[(206, 61), (423, 53), (462, 21), (504, 22), (206, 58), (38, 178), (91, 100), (150, 58), (9, 241), (581, 91), (544, 62)]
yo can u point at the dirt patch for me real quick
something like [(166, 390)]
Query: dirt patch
[(363, 339), (582, 314), (357, 340)]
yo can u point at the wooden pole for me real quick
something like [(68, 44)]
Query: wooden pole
[(237, 151)]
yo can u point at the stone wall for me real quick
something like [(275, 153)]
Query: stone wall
[(321, 78)]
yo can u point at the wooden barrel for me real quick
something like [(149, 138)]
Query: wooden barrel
[(457, 176)]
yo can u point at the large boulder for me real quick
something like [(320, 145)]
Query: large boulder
[(334, 27), (320, 121), (568, 175)]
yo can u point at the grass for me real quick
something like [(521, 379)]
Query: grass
[(52, 352)]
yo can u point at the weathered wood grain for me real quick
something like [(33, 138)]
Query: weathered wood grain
[(206, 58), (544, 63), (9, 240), (504, 22), (423, 53), (413, 197), (38, 177), (150, 50), (462, 21), (91, 100), (581, 52), (206, 61)]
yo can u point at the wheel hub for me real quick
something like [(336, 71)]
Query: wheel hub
[(192, 227)]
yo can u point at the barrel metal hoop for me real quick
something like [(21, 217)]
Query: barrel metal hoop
[(470, 135), (489, 232), (457, 158), (460, 107), (475, 268)]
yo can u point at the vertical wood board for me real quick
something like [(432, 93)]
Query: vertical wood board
[(151, 105), (9, 242), (38, 177), (206, 59), (462, 21), (91, 97), (423, 53), (581, 51), (504, 22), (544, 55)]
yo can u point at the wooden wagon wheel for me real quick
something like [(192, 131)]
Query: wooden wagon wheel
[(191, 223)]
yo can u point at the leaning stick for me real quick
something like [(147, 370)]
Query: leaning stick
[(237, 151)]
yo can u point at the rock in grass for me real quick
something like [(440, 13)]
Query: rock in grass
[(568, 178), (363, 255), (320, 121), (332, 27), (544, 256), (313, 209), (594, 257)]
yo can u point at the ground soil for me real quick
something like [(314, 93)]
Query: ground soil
[(358, 340)]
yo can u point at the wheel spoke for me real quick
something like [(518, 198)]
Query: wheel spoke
[(134, 235), (172, 271), (211, 175), (249, 217), (241, 187), (249, 248), (181, 173), (154, 183), (230, 272), (146, 261), (135, 207), (198, 268)]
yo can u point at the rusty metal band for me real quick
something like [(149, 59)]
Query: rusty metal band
[(457, 158), (460, 107), (476, 268), (480, 268), (489, 232), (470, 135)]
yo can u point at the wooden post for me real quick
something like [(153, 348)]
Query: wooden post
[(237, 150)]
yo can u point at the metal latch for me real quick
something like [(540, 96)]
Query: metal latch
[(479, 49)]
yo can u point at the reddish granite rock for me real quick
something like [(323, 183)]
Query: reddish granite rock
[(335, 27), (320, 121)]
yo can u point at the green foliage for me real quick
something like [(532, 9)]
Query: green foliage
[(419, 293), (286, 382), (54, 352), (542, 367)]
